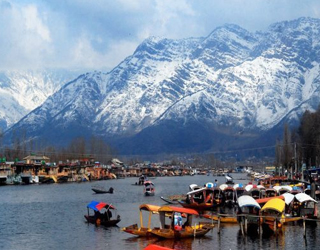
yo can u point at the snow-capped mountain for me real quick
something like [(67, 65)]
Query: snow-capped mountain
[(23, 91), (192, 94)]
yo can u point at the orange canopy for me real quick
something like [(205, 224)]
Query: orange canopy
[(156, 247), (148, 207), (178, 209), (265, 200)]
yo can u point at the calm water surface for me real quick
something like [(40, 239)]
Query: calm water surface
[(52, 217)]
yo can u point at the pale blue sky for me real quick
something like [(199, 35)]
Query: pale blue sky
[(99, 34)]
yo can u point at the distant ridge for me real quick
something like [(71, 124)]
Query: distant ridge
[(229, 90)]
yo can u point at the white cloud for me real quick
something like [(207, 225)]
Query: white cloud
[(34, 23), (99, 34)]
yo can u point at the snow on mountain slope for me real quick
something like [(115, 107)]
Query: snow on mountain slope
[(231, 81), (23, 91)]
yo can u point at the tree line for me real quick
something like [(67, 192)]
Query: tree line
[(78, 148), (300, 146)]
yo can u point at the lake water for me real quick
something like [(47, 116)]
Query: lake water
[(52, 217)]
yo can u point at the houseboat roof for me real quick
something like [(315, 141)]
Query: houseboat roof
[(36, 157)]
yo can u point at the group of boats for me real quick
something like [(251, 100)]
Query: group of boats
[(256, 208)]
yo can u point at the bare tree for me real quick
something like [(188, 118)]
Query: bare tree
[(287, 149)]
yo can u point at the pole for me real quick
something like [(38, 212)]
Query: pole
[(304, 227), (295, 158), (245, 225), (241, 226), (218, 224)]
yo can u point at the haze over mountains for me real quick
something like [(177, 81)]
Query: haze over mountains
[(231, 89)]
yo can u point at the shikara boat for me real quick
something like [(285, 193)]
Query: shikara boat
[(176, 229), (239, 190), (307, 206), (218, 199), (288, 199), (271, 192), (102, 190), (102, 214), (248, 214), (274, 181), (143, 231), (272, 215), (199, 199), (282, 189), (229, 196), (254, 191), (148, 189)]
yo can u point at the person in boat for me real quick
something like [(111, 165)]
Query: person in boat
[(109, 214), (97, 214), (209, 198), (177, 222)]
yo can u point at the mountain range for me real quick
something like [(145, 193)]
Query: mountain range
[(230, 90)]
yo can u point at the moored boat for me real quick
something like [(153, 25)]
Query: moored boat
[(199, 199), (271, 192), (229, 196), (272, 215), (307, 206), (248, 214), (176, 229), (239, 190)]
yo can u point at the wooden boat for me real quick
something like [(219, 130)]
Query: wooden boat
[(199, 199), (229, 196), (254, 191), (239, 190), (101, 190), (143, 231), (282, 189), (273, 215), (218, 199), (271, 192), (100, 218), (248, 214), (307, 206), (223, 219), (176, 229), (274, 181), (149, 188)]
